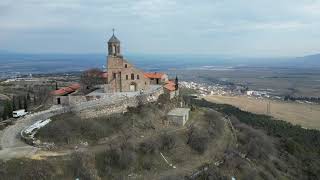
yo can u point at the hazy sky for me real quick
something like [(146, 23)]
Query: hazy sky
[(218, 27)]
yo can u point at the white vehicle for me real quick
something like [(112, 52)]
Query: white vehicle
[(19, 113)]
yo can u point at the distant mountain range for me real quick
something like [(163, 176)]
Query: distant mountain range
[(308, 61)]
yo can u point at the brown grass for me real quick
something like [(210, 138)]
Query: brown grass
[(306, 115)]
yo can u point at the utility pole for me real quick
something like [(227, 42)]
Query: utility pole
[(268, 108)]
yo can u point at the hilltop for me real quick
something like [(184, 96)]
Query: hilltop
[(218, 142)]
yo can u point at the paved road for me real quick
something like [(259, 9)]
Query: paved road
[(10, 141)]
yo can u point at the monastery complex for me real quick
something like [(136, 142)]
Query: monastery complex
[(121, 78)]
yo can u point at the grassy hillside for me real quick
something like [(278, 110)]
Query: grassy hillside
[(298, 148), (218, 142)]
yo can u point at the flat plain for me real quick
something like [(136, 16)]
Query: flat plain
[(306, 115)]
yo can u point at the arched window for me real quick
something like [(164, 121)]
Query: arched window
[(138, 77), (132, 76), (113, 49), (126, 65), (118, 49), (127, 77)]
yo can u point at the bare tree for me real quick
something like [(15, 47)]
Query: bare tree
[(90, 78)]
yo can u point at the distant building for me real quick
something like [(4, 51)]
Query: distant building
[(178, 116)]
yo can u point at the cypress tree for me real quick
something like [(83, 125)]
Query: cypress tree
[(20, 103), (7, 110), (34, 100), (9, 107), (4, 113), (28, 97), (14, 103), (25, 103), (176, 83)]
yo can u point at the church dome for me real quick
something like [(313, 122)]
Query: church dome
[(114, 39)]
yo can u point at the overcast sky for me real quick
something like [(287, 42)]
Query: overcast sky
[(219, 27)]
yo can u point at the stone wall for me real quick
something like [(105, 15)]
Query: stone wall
[(115, 104), (73, 100), (60, 100)]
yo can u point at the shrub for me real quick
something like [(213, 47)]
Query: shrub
[(254, 142), (147, 163), (215, 123), (121, 157), (167, 142), (172, 177), (198, 140), (27, 169), (83, 166), (149, 146)]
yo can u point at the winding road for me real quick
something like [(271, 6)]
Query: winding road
[(10, 141)]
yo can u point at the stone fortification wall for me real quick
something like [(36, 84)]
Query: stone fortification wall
[(114, 103)]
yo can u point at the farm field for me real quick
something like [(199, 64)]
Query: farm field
[(306, 115)]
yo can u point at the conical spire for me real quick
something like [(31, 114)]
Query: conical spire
[(113, 38)]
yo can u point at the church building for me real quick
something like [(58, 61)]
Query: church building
[(122, 75)]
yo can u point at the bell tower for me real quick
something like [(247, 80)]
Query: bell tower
[(114, 65), (113, 46)]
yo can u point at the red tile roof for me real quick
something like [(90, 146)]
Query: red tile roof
[(154, 75), (170, 85), (170, 82), (59, 92), (66, 90), (75, 86)]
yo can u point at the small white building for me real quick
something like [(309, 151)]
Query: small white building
[(178, 116)]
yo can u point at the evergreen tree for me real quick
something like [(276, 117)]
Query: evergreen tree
[(20, 103), (34, 100), (176, 83), (9, 108), (25, 103), (14, 103), (4, 115), (28, 97)]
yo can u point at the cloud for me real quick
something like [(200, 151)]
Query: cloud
[(312, 8), (154, 8), (160, 26)]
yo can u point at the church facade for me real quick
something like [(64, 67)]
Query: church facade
[(122, 76)]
